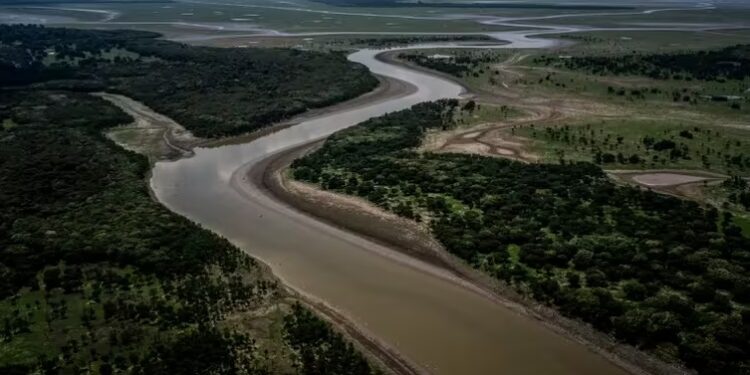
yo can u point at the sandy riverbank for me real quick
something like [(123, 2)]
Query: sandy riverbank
[(388, 88), (413, 240)]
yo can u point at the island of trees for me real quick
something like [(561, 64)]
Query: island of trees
[(663, 274), (463, 64)]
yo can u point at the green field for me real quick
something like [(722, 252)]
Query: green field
[(600, 109), (485, 113), (688, 19), (633, 143)]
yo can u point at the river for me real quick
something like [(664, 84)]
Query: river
[(425, 315)]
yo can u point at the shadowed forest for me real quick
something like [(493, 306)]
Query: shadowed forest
[(213, 92)]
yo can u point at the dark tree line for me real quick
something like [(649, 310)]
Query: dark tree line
[(211, 91), (462, 65), (715, 65), (739, 191), (660, 273)]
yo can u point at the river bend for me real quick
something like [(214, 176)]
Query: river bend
[(425, 315)]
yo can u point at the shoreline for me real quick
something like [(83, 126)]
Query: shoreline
[(379, 353), (452, 267), (412, 240), (351, 213), (387, 88)]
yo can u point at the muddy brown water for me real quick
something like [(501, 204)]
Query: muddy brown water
[(432, 319)]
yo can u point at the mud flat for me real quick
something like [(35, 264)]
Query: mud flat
[(666, 179), (151, 134)]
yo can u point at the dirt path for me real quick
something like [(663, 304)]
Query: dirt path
[(496, 140)]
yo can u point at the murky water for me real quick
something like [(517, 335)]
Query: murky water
[(439, 324)]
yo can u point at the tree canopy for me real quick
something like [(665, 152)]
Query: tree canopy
[(663, 274), (211, 91)]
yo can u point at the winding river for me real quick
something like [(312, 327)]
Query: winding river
[(429, 317)]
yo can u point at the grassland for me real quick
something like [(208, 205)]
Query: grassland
[(619, 121), (195, 20), (631, 107), (626, 41), (689, 17), (647, 144), (478, 114), (185, 19)]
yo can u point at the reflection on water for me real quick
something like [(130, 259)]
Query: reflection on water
[(437, 323)]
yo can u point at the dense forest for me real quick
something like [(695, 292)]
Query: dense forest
[(662, 274), (211, 91), (717, 65), (460, 65), (97, 277), (738, 191)]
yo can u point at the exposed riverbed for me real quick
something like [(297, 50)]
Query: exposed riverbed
[(440, 323)]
